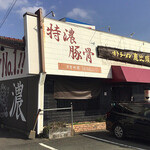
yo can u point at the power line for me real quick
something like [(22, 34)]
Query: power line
[(7, 13)]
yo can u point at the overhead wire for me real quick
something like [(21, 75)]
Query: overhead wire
[(7, 13)]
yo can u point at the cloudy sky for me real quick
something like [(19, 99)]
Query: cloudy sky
[(123, 16)]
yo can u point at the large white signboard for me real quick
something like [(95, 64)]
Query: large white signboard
[(71, 50), (68, 50)]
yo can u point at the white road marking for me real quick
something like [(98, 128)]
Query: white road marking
[(110, 142), (48, 147)]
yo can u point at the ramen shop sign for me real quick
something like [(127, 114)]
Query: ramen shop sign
[(128, 56), (68, 35)]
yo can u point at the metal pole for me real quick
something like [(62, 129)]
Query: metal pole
[(41, 40), (72, 132), (67, 108)]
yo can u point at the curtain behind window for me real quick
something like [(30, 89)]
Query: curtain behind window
[(76, 89)]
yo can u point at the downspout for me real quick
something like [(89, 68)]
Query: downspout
[(42, 71)]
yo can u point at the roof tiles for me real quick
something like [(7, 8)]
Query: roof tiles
[(18, 44)]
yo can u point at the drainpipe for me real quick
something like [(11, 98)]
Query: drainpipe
[(41, 103), (42, 71)]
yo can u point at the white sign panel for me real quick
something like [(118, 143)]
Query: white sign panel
[(32, 43), (12, 64), (68, 51)]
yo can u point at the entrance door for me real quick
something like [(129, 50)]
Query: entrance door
[(121, 94)]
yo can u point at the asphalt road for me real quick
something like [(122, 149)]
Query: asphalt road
[(87, 141)]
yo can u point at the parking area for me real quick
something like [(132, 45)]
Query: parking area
[(86, 141), (129, 143), (98, 140)]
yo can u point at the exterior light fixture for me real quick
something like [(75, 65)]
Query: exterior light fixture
[(53, 14), (109, 28), (131, 35)]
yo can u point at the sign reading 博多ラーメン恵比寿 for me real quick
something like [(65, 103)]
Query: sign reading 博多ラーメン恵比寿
[(128, 56)]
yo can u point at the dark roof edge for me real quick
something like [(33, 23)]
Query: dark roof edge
[(17, 44), (30, 14)]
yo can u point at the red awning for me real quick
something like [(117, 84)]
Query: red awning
[(130, 74)]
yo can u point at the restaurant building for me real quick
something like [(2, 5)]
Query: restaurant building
[(63, 62)]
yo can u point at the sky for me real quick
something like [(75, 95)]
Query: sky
[(123, 16)]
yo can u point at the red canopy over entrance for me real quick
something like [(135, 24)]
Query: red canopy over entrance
[(130, 74)]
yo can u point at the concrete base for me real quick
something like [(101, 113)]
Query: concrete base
[(60, 133)]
